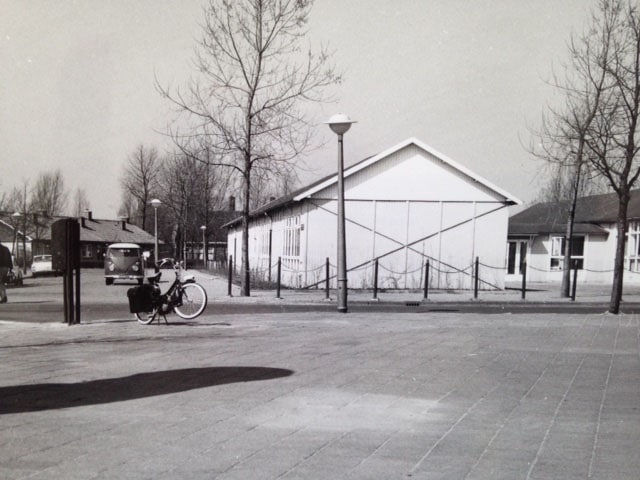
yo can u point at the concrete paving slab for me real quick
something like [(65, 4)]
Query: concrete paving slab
[(323, 395)]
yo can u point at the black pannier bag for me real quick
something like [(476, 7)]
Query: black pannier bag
[(142, 298)]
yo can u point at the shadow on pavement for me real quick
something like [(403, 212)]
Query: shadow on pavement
[(48, 396)]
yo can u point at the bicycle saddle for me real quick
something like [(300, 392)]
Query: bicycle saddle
[(153, 279)]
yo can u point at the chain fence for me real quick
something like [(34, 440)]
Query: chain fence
[(287, 275), (374, 275)]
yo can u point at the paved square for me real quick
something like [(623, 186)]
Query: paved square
[(323, 396)]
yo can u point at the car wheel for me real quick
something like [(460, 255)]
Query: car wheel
[(108, 281)]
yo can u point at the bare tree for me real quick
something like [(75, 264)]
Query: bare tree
[(80, 202), (266, 186), (128, 208), (565, 129), (49, 194), (180, 198), (139, 182), (613, 135), (253, 78), (20, 220)]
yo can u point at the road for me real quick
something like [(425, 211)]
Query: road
[(40, 300)]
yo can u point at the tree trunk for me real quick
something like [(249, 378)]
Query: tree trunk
[(618, 267), (568, 247), (245, 290), (566, 263)]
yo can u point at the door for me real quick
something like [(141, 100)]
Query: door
[(516, 258)]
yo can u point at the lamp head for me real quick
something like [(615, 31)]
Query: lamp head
[(156, 203), (340, 123)]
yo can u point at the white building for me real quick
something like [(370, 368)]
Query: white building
[(537, 236), (404, 207)]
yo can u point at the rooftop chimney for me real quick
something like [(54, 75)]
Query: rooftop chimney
[(89, 214)]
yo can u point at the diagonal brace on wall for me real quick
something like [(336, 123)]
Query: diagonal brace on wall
[(410, 244)]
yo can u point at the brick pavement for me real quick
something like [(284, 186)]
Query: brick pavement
[(323, 395)]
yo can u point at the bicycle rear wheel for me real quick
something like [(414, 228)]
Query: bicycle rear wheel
[(194, 301), (145, 318)]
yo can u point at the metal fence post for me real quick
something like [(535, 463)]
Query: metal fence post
[(524, 279), (375, 279), (425, 295), (575, 277), (477, 276), (279, 277), (327, 272), (230, 282)]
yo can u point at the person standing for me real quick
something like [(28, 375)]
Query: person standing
[(5, 265)]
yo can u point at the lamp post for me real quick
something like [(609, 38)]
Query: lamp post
[(204, 246), (155, 203), (340, 124), (15, 216)]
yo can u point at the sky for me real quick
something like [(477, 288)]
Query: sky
[(470, 78)]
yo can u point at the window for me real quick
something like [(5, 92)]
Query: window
[(557, 252), (87, 250), (291, 244), (633, 247)]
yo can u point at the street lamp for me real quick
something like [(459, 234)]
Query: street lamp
[(204, 246), (155, 203), (15, 216), (340, 124)]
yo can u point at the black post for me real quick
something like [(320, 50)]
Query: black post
[(477, 277), (375, 280), (426, 281), (65, 297), (77, 321), (575, 277), (326, 279), (68, 278), (270, 240), (230, 275), (69, 260), (278, 280), (524, 280)]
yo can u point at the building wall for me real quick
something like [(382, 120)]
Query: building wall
[(599, 252), (403, 210)]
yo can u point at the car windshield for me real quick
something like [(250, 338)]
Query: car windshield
[(42, 258), (124, 252)]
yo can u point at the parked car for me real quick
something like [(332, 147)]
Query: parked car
[(41, 265)]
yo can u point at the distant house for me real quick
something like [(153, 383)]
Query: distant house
[(12, 238), (95, 236), (405, 206), (537, 236)]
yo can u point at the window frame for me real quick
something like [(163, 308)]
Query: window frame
[(556, 252)]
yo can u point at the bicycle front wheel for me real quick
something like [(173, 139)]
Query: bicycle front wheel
[(194, 301)]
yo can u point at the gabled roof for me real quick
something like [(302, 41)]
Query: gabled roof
[(545, 218), (7, 233), (333, 179), (329, 180), (604, 208), (105, 231), (591, 211)]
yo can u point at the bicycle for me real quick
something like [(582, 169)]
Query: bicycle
[(184, 296)]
